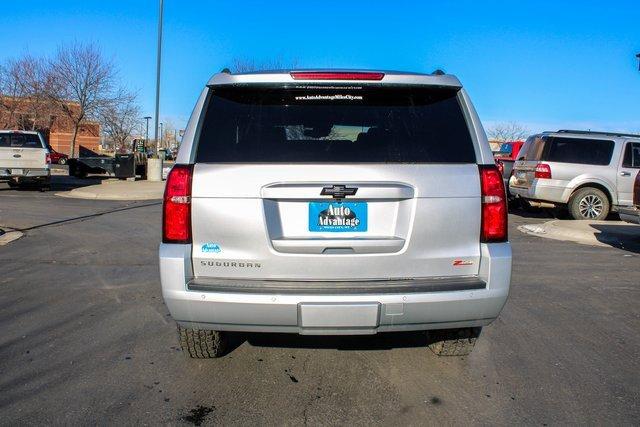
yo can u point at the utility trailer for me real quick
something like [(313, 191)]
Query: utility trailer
[(121, 165)]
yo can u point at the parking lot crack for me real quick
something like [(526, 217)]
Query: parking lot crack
[(83, 218)]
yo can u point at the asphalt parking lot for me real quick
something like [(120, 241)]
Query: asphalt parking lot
[(86, 339)]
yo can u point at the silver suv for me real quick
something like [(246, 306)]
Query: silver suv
[(591, 173), (334, 202)]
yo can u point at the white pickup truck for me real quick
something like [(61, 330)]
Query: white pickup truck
[(24, 159)]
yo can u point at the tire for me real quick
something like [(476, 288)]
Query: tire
[(453, 342), (589, 204), (81, 173), (202, 343), (13, 184)]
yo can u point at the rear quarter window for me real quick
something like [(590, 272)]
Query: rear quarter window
[(341, 124), (578, 150)]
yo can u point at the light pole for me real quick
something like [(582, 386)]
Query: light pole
[(159, 61), (146, 132)]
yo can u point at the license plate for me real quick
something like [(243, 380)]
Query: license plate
[(356, 315), (338, 216), (17, 171)]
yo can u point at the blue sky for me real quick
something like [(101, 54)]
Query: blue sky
[(544, 64)]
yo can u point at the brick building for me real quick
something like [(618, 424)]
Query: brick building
[(51, 121)]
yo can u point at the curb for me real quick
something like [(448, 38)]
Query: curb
[(118, 190), (588, 235), (94, 196), (7, 237)]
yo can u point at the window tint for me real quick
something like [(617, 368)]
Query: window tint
[(20, 140), (334, 125), (578, 150), (631, 155)]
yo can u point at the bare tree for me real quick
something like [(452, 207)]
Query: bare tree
[(120, 118), (169, 133), (24, 93), (11, 93), (509, 131), (34, 76), (83, 84)]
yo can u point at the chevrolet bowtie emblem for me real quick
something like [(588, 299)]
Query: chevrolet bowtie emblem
[(338, 191)]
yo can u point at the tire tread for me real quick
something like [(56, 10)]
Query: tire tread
[(454, 342), (201, 343)]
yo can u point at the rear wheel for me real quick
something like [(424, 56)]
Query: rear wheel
[(80, 172), (589, 204), (202, 343), (45, 185), (453, 342)]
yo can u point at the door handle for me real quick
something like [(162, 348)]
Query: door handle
[(625, 173)]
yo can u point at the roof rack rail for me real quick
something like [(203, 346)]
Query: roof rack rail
[(592, 132), (438, 72)]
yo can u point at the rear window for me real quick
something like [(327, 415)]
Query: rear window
[(577, 150), (20, 140), (334, 125), (532, 148)]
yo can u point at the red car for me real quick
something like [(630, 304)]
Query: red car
[(505, 158), (58, 158)]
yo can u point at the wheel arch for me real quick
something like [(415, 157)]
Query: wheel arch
[(593, 183), (597, 185)]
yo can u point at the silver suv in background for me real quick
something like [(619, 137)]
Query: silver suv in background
[(334, 202), (591, 173)]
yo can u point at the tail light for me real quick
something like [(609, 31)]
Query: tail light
[(315, 75), (176, 209), (494, 205), (543, 171), (47, 158)]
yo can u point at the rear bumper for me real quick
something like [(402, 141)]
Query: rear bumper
[(333, 312), (629, 214), (541, 189), (26, 173)]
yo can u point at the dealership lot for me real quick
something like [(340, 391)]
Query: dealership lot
[(87, 339)]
